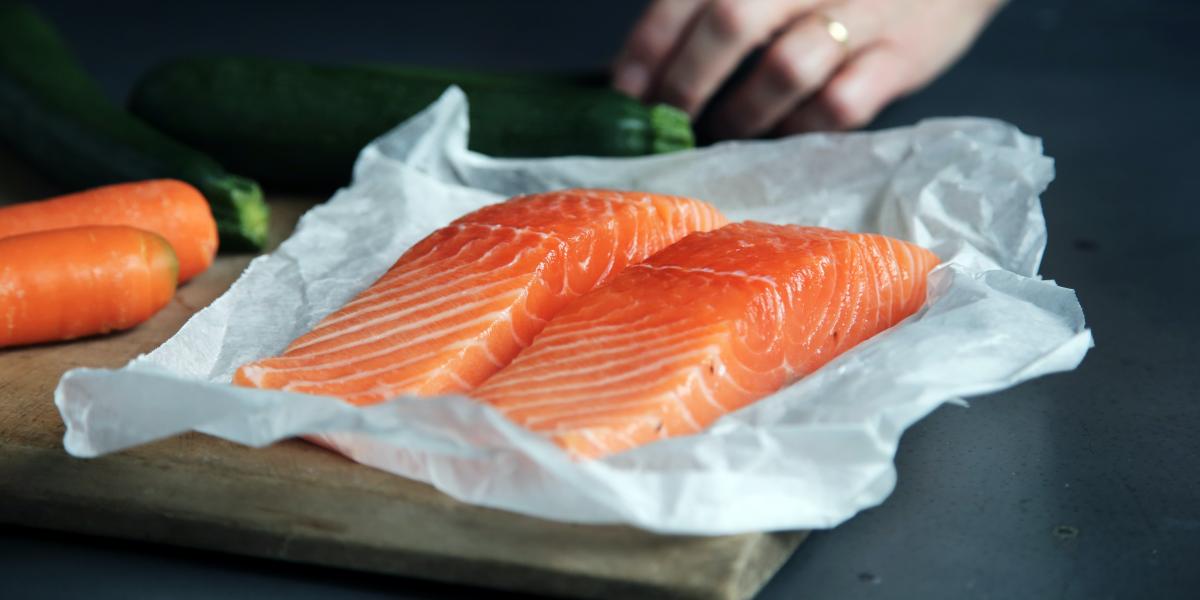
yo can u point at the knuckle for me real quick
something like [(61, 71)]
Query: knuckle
[(785, 73), (729, 19), (647, 44), (644, 48), (655, 33)]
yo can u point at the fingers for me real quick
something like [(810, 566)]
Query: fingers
[(795, 66), (911, 54), (724, 32), (855, 94), (681, 50), (650, 43)]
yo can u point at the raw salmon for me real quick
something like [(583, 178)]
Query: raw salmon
[(461, 303), (702, 328)]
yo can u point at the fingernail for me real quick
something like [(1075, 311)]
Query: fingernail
[(631, 78)]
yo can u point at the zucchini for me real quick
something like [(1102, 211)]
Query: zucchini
[(299, 125), (58, 119)]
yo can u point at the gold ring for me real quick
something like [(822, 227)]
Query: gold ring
[(837, 30)]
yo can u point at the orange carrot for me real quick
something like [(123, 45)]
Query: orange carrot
[(170, 208), (66, 283)]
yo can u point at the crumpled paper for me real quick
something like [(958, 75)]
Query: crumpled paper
[(810, 456)]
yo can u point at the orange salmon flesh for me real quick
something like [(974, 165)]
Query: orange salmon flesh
[(705, 327), (460, 304)]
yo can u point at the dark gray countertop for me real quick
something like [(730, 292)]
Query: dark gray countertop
[(1078, 485)]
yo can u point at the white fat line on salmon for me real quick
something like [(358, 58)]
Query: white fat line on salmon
[(725, 371), (394, 368), (462, 384), (905, 291), (482, 346), (612, 261), (589, 414), (396, 324), (830, 284), (720, 367), (648, 412), (254, 373), (728, 379), (661, 346), (383, 393), (481, 341), (716, 220), (590, 439), (564, 258), (465, 346), (696, 379), (843, 318), (538, 320), (558, 356), (596, 415), (889, 281), (437, 264), (377, 397), (406, 385), (610, 209), (410, 385), (595, 340), (624, 438), (780, 310), (414, 271), (555, 332), (872, 278), (912, 263), (411, 280), (606, 196), (632, 249), (706, 220), (592, 435), (591, 250), (707, 271), (648, 387), (423, 348), (387, 310), (385, 313), (403, 345), (854, 307), (894, 283), (519, 229), (512, 331), (581, 388), (874, 261), (408, 284)]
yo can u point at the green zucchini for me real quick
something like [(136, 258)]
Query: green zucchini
[(299, 125), (59, 119)]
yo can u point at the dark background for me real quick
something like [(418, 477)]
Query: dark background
[(1078, 485)]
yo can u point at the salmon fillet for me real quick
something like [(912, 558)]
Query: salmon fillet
[(705, 327), (461, 303)]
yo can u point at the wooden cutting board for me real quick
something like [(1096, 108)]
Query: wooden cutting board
[(296, 502)]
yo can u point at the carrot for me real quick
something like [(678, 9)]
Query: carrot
[(66, 283), (170, 208)]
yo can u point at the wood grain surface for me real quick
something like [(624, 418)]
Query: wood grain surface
[(294, 501)]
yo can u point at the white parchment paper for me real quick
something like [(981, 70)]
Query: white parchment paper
[(809, 456)]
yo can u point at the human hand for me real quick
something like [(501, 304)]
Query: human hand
[(811, 77)]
